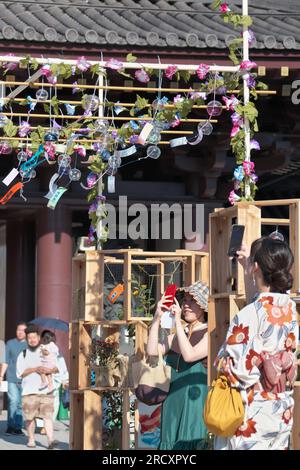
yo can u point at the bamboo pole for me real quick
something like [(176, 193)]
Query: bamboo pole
[(99, 226), (110, 129), (128, 105), (119, 88), (246, 93), (22, 139), (125, 118)]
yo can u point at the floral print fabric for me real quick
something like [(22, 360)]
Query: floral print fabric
[(258, 357)]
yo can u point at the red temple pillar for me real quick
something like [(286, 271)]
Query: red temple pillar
[(54, 268)]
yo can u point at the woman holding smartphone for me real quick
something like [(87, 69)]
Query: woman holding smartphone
[(186, 351), (258, 355)]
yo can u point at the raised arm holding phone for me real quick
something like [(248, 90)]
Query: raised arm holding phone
[(186, 354)]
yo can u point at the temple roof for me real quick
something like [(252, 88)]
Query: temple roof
[(144, 23)]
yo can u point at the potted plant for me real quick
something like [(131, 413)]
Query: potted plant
[(103, 361)]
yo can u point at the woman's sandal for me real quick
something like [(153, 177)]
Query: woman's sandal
[(31, 445)]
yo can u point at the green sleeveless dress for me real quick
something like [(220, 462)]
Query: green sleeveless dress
[(182, 426)]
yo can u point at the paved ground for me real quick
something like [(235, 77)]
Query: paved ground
[(61, 434)]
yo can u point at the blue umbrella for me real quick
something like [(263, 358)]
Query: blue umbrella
[(51, 323)]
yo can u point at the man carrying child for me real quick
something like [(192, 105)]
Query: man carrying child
[(37, 401)]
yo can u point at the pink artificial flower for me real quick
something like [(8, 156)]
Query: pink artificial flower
[(45, 70), (178, 99), (52, 79), (50, 150), (248, 167), (11, 66), (251, 37), (233, 197), (170, 71), (254, 145), (24, 129), (142, 76), (81, 151), (254, 178), (29, 152), (237, 120), (224, 8), (231, 102), (202, 71), (56, 126), (247, 65), (175, 123), (114, 64), (82, 64), (234, 131)]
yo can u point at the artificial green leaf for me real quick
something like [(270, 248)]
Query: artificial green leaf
[(41, 132), (131, 58), (10, 130), (92, 194), (216, 4), (262, 86), (141, 103), (46, 108), (55, 104), (185, 75)]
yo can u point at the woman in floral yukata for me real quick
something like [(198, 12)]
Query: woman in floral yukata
[(258, 355)]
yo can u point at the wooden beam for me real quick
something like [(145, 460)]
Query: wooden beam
[(78, 288), (127, 282), (189, 270), (94, 286), (273, 221), (81, 341), (296, 424), (294, 210), (272, 202), (160, 280), (249, 216), (86, 420)]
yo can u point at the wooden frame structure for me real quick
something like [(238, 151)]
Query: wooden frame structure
[(88, 312), (227, 287)]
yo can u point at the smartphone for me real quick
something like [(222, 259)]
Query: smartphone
[(236, 239), (170, 291)]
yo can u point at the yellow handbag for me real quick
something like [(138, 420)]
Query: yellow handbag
[(224, 411)]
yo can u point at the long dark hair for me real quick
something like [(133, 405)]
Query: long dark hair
[(275, 259)]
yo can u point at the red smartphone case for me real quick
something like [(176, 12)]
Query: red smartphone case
[(170, 290)]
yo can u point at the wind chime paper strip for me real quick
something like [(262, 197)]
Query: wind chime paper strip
[(111, 187), (52, 187), (126, 152), (178, 142), (11, 192), (145, 133), (10, 177), (56, 197)]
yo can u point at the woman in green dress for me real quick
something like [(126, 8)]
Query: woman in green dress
[(182, 426)]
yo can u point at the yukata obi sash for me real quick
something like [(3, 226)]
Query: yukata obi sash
[(278, 372)]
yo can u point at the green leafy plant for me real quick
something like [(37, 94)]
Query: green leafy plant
[(142, 297)]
